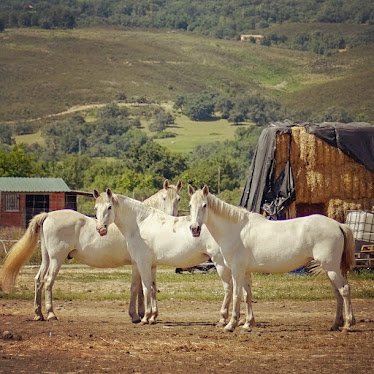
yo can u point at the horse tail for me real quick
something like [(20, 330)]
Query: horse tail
[(348, 256), (21, 253)]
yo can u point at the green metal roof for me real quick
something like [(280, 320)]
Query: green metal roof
[(15, 184)]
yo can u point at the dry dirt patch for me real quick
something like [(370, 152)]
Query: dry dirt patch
[(98, 337)]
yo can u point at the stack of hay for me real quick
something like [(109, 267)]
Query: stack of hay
[(324, 175)]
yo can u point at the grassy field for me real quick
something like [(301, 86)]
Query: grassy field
[(189, 134), (114, 284), (50, 71)]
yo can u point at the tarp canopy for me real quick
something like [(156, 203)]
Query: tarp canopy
[(355, 139)]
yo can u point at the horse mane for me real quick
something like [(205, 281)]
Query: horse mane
[(143, 209), (150, 201), (226, 210)]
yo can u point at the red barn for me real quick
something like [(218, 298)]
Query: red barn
[(22, 198)]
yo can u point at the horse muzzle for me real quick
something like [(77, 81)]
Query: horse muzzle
[(102, 230), (195, 230)]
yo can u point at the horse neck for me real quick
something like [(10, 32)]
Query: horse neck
[(153, 200), (223, 219), (129, 213)]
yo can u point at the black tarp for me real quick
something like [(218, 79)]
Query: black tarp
[(261, 193)]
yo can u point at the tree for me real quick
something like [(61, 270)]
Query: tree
[(5, 134), (198, 107), (161, 122), (112, 110), (17, 163), (218, 174), (71, 169)]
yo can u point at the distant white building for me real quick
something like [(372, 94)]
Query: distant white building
[(257, 38)]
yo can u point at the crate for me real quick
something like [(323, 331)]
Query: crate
[(362, 224)]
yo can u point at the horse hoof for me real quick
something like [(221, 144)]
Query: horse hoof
[(228, 329), (38, 318), (334, 328), (144, 322), (52, 318), (247, 328), (136, 320)]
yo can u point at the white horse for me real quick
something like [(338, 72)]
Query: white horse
[(251, 243), (154, 238), (67, 233)]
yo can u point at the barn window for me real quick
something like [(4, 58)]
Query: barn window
[(12, 202)]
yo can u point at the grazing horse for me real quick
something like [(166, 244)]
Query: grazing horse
[(67, 233), (251, 243), (155, 238)]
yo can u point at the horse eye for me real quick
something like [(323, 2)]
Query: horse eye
[(204, 205), (179, 199), (109, 207)]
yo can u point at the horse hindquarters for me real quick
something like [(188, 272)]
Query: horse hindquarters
[(338, 277)]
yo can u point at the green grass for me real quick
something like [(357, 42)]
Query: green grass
[(114, 284), (190, 133), (50, 71)]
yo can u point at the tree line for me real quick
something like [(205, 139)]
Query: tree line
[(113, 151), (220, 18)]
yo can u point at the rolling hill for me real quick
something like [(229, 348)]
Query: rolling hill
[(49, 71)]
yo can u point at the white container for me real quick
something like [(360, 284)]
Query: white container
[(362, 224)]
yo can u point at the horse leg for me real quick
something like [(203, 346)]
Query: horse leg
[(140, 299), (343, 299), (225, 274), (135, 286), (152, 320), (249, 316), (145, 271), (53, 270), (238, 282), (39, 283)]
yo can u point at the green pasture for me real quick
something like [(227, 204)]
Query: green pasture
[(189, 134), (84, 283)]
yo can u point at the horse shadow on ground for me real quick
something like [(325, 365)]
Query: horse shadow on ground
[(187, 324)]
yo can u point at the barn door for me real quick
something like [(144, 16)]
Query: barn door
[(36, 204)]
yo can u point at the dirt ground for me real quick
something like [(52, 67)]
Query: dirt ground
[(98, 337)]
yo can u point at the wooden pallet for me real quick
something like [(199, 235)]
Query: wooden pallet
[(365, 258), (368, 248)]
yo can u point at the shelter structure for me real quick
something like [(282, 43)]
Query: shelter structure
[(300, 169), (22, 198)]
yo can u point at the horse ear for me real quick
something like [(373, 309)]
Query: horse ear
[(95, 194), (109, 193), (205, 190), (166, 184), (190, 190), (179, 185)]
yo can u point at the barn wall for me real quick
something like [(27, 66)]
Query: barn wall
[(18, 219), (57, 201), (326, 180)]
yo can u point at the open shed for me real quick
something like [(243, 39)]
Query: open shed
[(300, 169), (22, 198)]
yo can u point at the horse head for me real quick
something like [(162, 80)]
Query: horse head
[(170, 198), (198, 208), (104, 210)]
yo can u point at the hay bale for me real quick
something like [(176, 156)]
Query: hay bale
[(323, 174)]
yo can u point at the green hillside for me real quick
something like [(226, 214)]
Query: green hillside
[(49, 71)]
